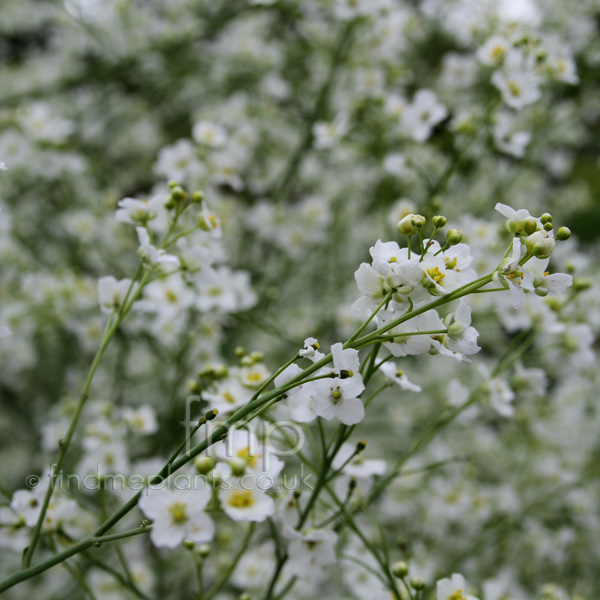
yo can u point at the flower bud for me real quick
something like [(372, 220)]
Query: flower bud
[(238, 467), (193, 386), (548, 227), (173, 184), (581, 283), (529, 225), (211, 414), (540, 244), (197, 197), (405, 226), (417, 583), (360, 446), (203, 550), (546, 218), (178, 194), (563, 233), (400, 569), (419, 221), (454, 236), (188, 544), (204, 464), (439, 221)]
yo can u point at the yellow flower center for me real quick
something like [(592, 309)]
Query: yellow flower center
[(336, 395), (435, 274), (228, 397), (254, 376), (458, 595), (241, 499), (177, 512), (245, 455), (515, 90), (171, 296)]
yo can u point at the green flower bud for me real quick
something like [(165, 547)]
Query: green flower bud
[(419, 221), (529, 225), (548, 226), (245, 596), (581, 283), (360, 446), (211, 414), (417, 583), (400, 569), (238, 467), (439, 221), (197, 197), (178, 194), (193, 386), (546, 218), (405, 226), (454, 236), (203, 550), (563, 233), (240, 351), (188, 544), (540, 244), (204, 464)]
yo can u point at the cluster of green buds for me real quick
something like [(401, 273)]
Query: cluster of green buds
[(400, 571), (206, 376)]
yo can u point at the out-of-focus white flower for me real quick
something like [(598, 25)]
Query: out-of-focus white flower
[(311, 553), (398, 376), (244, 500), (328, 134), (177, 514), (139, 212), (422, 115), (507, 139), (493, 50), (209, 134), (517, 81), (453, 588), (111, 293)]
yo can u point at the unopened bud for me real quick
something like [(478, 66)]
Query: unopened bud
[(546, 218), (529, 225), (563, 233), (417, 583), (211, 414), (203, 550), (581, 283), (360, 446), (548, 227), (540, 244), (188, 544), (405, 226), (240, 351), (238, 467), (345, 374), (439, 221), (400, 569), (193, 386), (197, 197), (178, 194), (454, 236), (204, 464)]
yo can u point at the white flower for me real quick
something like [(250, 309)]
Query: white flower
[(298, 405), (461, 336), (3, 166), (229, 394), (396, 375), (517, 82), (209, 134), (136, 212), (141, 420), (242, 450), (493, 51), (453, 589), (243, 500), (151, 255), (422, 115), (310, 553), (447, 271), (328, 134), (254, 376), (395, 164), (339, 398), (311, 350), (506, 139), (501, 396), (404, 345), (512, 275), (111, 293), (177, 514), (545, 283), (358, 466)]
